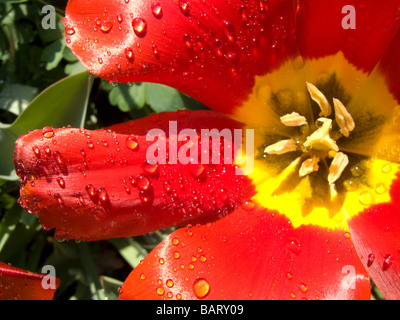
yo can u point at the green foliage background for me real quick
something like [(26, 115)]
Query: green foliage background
[(36, 69)]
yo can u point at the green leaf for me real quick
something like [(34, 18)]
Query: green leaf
[(73, 68), (53, 54), (50, 35), (130, 250), (111, 287), (128, 98), (8, 224), (159, 97), (163, 98), (62, 104), (68, 55), (13, 1), (16, 97)]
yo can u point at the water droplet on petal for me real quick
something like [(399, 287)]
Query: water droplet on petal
[(229, 30), (294, 245), (70, 30), (157, 10), (36, 151), (201, 288), (58, 198), (48, 132), (91, 190), (131, 143), (356, 171), (90, 144), (303, 288), (366, 198), (61, 182), (100, 60), (102, 195), (160, 291), (120, 18), (196, 169), (387, 262), (106, 26), (380, 188), (142, 182), (129, 54), (248, 205), (386, 168), (139, 26), (167, 187), (114, 84), (150, 168), (58, 158), (155, 51), (371, 259), (184, 6), (169, 283)]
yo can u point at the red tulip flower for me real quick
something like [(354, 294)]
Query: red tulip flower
[(317, 82)]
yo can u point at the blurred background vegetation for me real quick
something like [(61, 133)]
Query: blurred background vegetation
[(36, 67)]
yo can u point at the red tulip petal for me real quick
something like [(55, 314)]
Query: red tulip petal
[(92, 185), (321, 31), (250, 254), (209, 50), (19, 284), (376, 235), (390, 67)]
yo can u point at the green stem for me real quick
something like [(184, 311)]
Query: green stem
[(91, 272)]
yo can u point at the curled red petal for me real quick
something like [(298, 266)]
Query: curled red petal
[(92, 185), (210, 50), (19, 284), (376, 236), (250, 254), (362, 30)]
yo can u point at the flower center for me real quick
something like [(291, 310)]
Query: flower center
[(317, 141)]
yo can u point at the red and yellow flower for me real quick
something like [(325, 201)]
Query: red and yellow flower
[(317, 216)]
